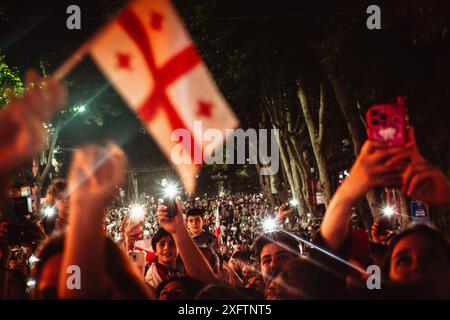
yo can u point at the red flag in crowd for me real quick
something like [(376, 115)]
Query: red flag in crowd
[(217, 227), (150, 59)]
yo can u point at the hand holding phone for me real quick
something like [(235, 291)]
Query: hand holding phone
[(388, 123), (380, 230), (171, 205), (138, 258)]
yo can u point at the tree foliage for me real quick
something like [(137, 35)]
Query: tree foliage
[(10, 83)]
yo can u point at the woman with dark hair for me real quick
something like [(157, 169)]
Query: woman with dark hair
[(417, 258), (420, 256)]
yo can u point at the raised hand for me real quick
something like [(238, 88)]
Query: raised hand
[(132, 234), (423, 180), (373, 167), (377, 235), (282, 213), (171, 225), (95, 174)]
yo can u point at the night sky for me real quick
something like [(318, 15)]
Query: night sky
[(38, 30), (34, 30)]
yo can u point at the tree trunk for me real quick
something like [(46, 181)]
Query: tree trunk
[(286, 165), (296, 176), (295, 173), (316, 134), (299, 160), (354, 123), (264, 182), (404, 210), (40, 181), (351, 115)]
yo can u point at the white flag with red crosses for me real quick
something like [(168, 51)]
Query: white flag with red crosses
[(150, 59)]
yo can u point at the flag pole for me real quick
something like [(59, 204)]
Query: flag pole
[(79, 55), (72, 61)]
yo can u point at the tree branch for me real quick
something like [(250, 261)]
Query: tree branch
[(43, 176)]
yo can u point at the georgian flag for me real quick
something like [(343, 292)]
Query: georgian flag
[(150, 59), (146, 247)]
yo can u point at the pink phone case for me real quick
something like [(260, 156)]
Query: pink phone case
[(387, 123)]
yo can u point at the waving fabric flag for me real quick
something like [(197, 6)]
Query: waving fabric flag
[(150, 59)]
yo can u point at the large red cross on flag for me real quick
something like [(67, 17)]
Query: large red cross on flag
[(150, 59)]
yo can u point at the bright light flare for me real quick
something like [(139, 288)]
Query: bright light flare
[(294, 203), (137, 212), (31, 283), (388, 211), (170, 190), (33, 259), (269, 225), (49, 212)]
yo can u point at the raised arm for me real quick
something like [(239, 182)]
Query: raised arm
[(94, 175), (369, 170), (195, 263), (423, 180), (282, 213)]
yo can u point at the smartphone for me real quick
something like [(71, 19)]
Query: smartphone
[(388, 123), (171, 205), (138, 258)]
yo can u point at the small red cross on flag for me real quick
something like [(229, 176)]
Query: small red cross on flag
[(150, 59)]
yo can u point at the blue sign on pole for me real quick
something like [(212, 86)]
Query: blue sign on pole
[(419, 211)]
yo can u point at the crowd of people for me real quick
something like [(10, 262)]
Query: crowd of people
[(236, 220), (216, 248)]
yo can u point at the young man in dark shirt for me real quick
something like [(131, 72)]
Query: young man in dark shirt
[(194, 223)]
